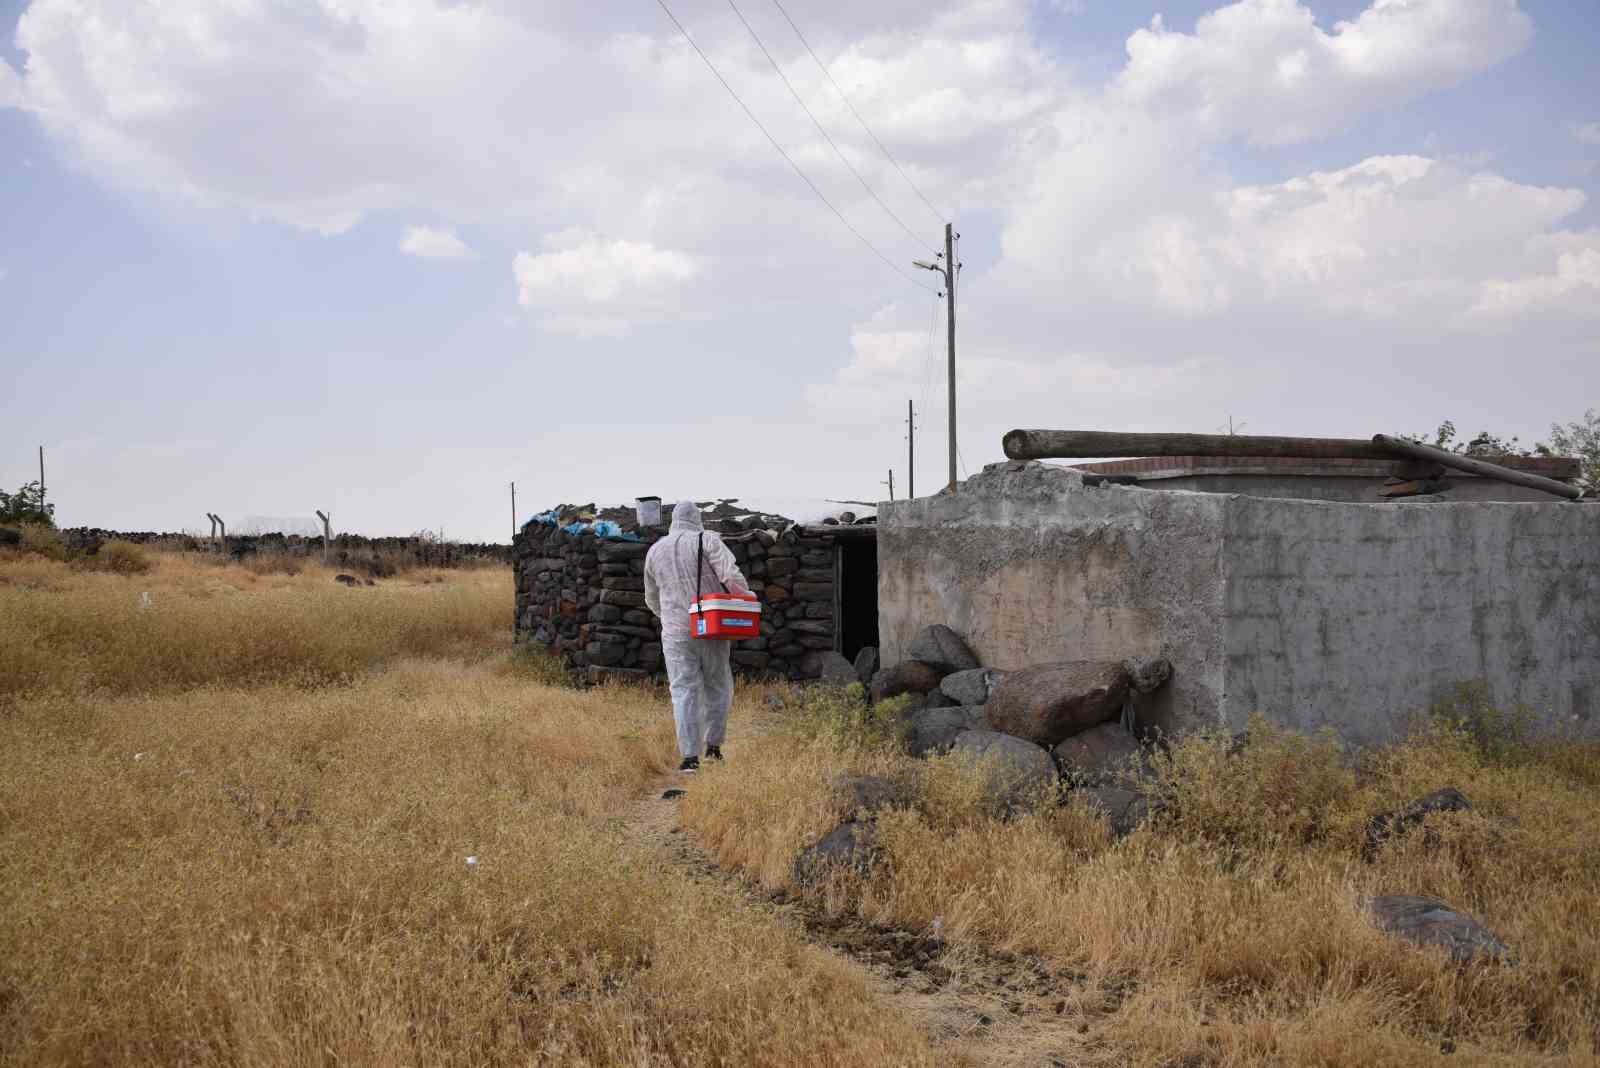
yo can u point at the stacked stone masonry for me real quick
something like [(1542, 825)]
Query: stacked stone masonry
[(582, 597)]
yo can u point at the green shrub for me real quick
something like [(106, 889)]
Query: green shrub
[(43, 541), (843, 715), (117, 558), (1274, 785), (1497, 735)]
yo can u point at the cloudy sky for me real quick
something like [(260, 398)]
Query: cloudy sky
[(382, 257)]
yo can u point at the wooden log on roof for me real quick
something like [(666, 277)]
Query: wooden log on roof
[(1473, 465), (1091, 444), (1086, 444)]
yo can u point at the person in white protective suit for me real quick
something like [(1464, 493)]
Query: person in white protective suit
[(698, 672)]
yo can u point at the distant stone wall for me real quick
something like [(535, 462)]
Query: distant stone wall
[(582, 597), (346, 548)]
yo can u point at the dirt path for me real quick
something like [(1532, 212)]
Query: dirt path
[(980, 1006)]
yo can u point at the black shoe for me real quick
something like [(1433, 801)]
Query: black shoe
[(690, 764), (713, 752)]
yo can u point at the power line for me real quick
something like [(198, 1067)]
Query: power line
[(812, 185), (937, 214), (825, 135)]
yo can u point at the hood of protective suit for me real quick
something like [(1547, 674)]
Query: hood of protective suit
[(686, 517)]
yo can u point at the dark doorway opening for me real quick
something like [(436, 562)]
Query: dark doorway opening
[(856, 591)]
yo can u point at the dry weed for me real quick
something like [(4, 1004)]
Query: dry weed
[(189, 624), (1232, 930)]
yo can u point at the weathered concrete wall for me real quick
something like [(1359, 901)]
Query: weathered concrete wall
[(1313, 613), (1032, 566), (1352, 616)]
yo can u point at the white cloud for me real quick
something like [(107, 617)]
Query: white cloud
[(591, 285), (1587, 132), (10, 86), (1138, 278), (1572, 285), (1265, 70), (434, 243)]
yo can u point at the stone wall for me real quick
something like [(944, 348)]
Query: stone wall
[(582, 597), (347, 549), (1350, 616)]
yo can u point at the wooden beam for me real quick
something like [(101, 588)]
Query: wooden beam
[(1091, 444), (1472, 465), (1086, 444)]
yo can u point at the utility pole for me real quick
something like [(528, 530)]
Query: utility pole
[(949, 269), (952, 268), (41, 477), (513, 511), (890, 483), (327, 534), (911, 452)]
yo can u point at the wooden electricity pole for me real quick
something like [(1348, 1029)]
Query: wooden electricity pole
[(911, 452), (327, 533), (948, 269), (513, 511), (41, 477), (951, 269), (890, 483)]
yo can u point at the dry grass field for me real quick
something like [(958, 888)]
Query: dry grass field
[(1232, 933), (236, 819), (234, 829)]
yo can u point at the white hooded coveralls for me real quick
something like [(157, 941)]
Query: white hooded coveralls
[(698, 671)]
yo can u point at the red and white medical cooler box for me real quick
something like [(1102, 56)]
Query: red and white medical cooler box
[(729, 616)]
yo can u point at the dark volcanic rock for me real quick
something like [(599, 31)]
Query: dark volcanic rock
[(1124, 809), (930, 731), (1389, 825), (907, 677), (1100, 755), (867, 664), (1049, 703), (851, 846), (827, 666), (943, 648), (865, 795), (1017, 770), (970, 687), (1427, 921)]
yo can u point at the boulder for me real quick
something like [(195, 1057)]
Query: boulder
[(850, 846), (1428, 921), (930, 731), (827, 666), (939, 699), (907, 677), (865, 795), (10, 537), (347, 580), (867, 664), (971, 686), (1147, 676), (1100, 756), (942, 648), (1123, 809), (1049, 703), (1017, 770), (605, 613), (1389, 825)]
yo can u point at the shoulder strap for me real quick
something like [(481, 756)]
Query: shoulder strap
[(700, 567)]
